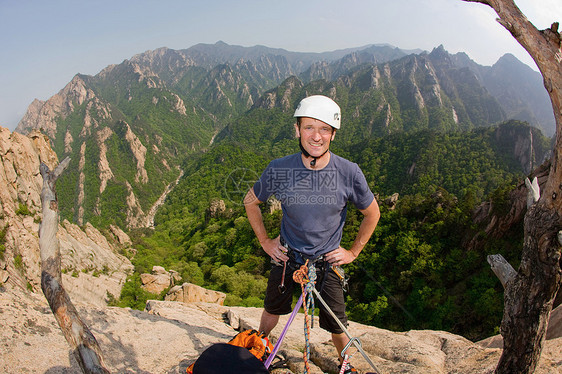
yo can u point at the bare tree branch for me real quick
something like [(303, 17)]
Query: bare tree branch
[(485, 2), (534, 193), (85, 347), (503, 270)]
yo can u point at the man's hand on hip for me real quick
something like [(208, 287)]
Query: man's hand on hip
[(340, 256), (274, 249)]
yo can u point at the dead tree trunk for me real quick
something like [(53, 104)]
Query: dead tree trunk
[(530, 293), (82, 341)]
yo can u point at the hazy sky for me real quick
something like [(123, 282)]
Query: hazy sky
[(43, 44)]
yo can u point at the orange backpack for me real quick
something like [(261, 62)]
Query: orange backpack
[(255, 342)]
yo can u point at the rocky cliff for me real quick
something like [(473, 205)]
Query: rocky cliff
[(116, 155), (91, 264)]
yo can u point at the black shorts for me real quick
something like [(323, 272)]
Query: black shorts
[(328, 283)]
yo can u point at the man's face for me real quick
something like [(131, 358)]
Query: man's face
[(315, 135)]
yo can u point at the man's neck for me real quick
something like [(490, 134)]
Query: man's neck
[(321, 162)]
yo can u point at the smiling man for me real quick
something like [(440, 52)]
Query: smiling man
[(314, 187)]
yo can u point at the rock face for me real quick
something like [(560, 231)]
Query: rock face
[(90, 263), (169, 336), (120, 235), (92, 141), (391, 201), (497, 225)]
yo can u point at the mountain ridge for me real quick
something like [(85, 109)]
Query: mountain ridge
[(146, 114)]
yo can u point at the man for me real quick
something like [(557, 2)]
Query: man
[(314, 187)]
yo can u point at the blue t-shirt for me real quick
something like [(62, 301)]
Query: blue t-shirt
[(314, 202)]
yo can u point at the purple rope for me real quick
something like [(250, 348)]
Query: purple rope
[(283, 333)]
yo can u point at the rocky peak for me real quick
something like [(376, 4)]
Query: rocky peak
[(153, 57), (510, 63), (439, 53), (43, 115), (146, 75), (168, 64), (279, 97)]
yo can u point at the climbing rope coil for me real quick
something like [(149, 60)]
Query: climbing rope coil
[(306, 277)]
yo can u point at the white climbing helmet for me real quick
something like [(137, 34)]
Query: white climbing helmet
[(321, 108)]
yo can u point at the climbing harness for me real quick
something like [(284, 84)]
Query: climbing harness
[(341, 274)]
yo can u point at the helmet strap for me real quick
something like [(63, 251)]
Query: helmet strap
[(307, 155)]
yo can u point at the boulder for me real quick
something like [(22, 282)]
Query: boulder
[(391, 201), (192, 293), (216, 208), (120, 235), (4, 276), (157, 281)]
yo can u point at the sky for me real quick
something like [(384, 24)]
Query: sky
[(43, 44)]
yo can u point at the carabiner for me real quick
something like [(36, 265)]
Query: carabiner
[(282, 287)]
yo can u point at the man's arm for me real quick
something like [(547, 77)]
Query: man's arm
[(371, 216), (272, 247)]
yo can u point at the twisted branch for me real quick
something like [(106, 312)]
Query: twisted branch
[(83, 343)]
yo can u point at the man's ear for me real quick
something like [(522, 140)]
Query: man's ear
[(333, 134), (297, 131)]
